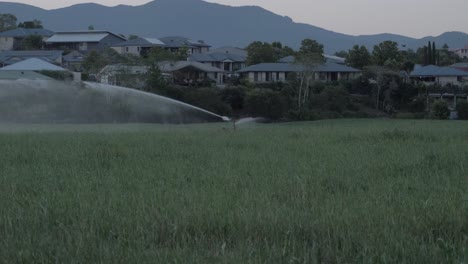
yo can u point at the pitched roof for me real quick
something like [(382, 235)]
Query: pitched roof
[(434, 71), (289, 67), (74, 56), (81, 36), (24, 32), (17, 75), (231, 50), (13, 56), (178, 42), (178, 65), (140, 42), (216, 57), (335, 59), (32, 64)]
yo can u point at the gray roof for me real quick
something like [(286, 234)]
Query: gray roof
[(435, 71), (178, 65), (289, 67), (28, 75), (178, 42), (335, 59), (24, 32), (217, 57), (140, 42), (74, 56), (13, 56), (231, 50), (81, 36), (32, 64)]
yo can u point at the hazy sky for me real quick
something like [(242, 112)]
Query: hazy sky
[(415, 18)]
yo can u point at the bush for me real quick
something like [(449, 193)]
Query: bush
[(234, 96), (440, 110), (266, 103), (418, 105), (208, 99), (462, 109), (332, 98)]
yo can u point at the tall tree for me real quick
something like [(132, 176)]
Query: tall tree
[(7, 22), (358, 57), (259, 52), (434, 54), (309, 57), (429, 53), (386, 51), (32, 42)]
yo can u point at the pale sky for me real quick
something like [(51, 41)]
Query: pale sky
[(414, 18)]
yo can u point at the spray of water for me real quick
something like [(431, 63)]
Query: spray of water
[(28, 101)]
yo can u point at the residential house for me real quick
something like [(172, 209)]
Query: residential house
[(138, 46), (462, 52), (13, 39), (432, 74), (84, 41), (191, 72), (73, 61), (38, 65), (280, 72), (14, 56), (174, 44), (178, 72), (229, 62)]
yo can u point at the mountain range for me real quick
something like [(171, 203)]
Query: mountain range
[(216, 24)]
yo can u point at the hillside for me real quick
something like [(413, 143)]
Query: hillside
[(217, 24)]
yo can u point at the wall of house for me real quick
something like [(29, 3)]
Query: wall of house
[(6, 43), (444, 80), (267, 76)]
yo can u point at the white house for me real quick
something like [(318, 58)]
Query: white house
[(84, 40), (432, 74), (13, 39)]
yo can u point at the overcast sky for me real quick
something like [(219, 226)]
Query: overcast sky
[(415, 18)]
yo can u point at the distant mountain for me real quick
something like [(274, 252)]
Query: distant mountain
[(218, 25)]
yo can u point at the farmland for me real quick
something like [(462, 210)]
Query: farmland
[(354, 191)]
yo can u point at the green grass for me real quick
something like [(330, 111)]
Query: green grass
[(343, 191)]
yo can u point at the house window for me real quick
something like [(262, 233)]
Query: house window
[(268, 76), (126, 49), (277, 76), (255, 76)]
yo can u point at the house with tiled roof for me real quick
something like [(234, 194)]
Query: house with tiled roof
[(329, 71), (138, 46), (432, 74), (14, 56), (13, 39), (84, 41), (175, 43)]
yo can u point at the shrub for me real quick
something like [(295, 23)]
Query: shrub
[(266, 103), (234, 96), (440, 110), (418, 105), (462, 109), (208, 99)]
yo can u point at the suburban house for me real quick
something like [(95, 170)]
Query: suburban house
[(174, 44), (13, 39), (138, 46), (14, 56), (178, 72), (191, 72), (432, 74), (462, 53), (229, 62), (84, 41), (22, 75), (73, 61), (119, 74), (280, 72)]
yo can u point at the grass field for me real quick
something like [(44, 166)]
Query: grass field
[(344, 191)]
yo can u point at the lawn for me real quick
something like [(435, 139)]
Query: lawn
[(341, 191)]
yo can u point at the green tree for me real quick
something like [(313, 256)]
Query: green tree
[(342, 54), (7, 22), (260, 52), (309, 57), (32, 42), (429, 53), (31, 24), (90, 27), (386, 51), (440, 110), (358, 57)]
